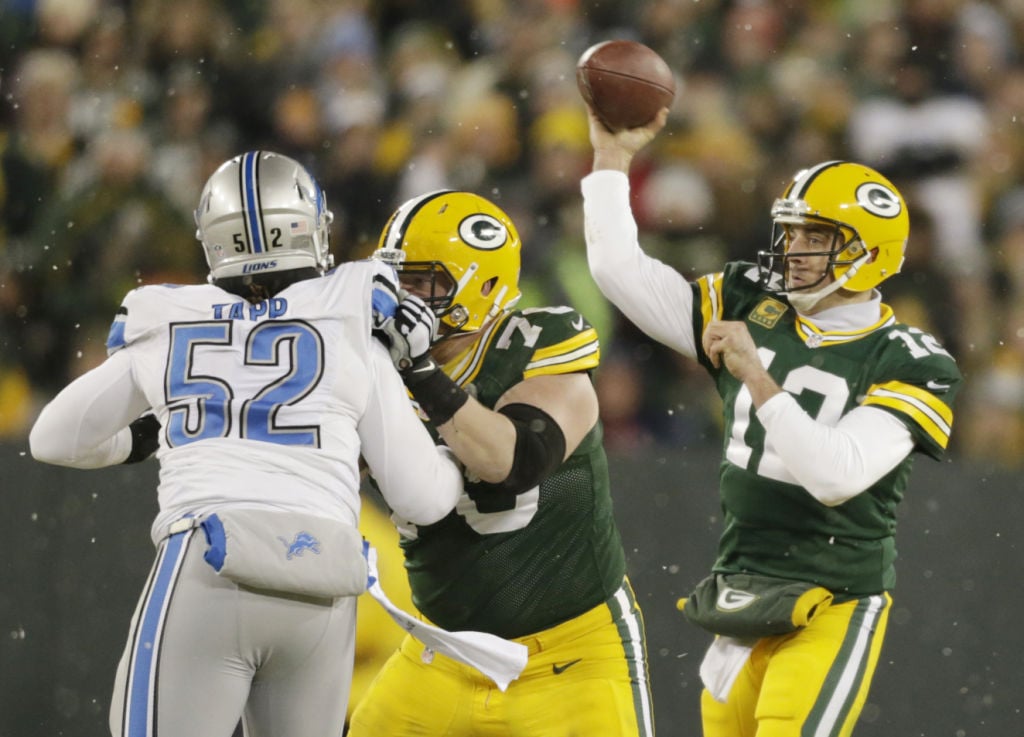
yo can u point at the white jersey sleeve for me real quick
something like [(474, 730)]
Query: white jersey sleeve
[(417, 478), (86, 424), (263, 405), (835, 463), (651, 294)]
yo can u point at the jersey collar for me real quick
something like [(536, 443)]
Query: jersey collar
[(464, 367), (846, 323)]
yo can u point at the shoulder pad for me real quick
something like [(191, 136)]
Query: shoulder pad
[(151, 306), (561, 339), (922, 381)]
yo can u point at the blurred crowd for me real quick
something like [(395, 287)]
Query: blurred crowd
[(112, 115)]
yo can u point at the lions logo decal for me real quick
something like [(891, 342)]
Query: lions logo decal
[(303, 541)]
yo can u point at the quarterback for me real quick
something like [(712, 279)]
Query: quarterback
[(531, 551), (826, 399), (263, 389)]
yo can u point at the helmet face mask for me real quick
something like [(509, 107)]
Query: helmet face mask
[(263, 212), (458, 251), (429, 279), (865, 217), (836, 245)]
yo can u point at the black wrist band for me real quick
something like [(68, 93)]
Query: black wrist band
[(437, 394), (145, 438)]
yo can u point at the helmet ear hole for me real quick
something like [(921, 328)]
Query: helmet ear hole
[(487, 286)]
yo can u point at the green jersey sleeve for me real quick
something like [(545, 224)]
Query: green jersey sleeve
[(512, 564)]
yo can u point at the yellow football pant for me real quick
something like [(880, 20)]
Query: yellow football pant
[(585, 678), (810, 683)]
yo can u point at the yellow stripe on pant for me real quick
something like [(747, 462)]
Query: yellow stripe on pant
[(586, 676), (809, 683)]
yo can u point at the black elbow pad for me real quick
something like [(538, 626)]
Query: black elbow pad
[(540, 447)]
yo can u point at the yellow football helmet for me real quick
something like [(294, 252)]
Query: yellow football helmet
[(870, 220), (470, 240)]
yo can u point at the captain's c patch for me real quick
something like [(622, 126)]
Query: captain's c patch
[(768, 312)]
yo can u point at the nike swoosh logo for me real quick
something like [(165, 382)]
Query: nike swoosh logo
[(936, 386), (557, 669), (578, 323)]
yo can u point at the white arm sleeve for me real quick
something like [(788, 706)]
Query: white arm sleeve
[(86, 424), (835, 464), (418, 480), (651, 294)]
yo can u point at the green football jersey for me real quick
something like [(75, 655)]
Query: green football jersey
[(514, 564), (772, 525)]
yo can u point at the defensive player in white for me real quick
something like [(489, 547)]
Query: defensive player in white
[(264, 388)]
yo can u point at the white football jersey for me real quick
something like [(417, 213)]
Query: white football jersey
[(260, 405)]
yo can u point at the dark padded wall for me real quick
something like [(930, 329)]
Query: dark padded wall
[(75, 550)]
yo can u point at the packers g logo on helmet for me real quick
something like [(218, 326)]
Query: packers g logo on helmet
[(870, 220), (879, 200), (467, 238), (483, 232)]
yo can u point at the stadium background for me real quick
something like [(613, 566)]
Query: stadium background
[(112, 114), (76, 551)]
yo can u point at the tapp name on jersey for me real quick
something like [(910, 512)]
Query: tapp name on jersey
[(267, 309), (290, 372)]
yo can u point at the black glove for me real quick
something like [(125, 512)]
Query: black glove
[(145, 438)]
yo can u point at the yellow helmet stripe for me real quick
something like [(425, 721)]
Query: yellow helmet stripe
[(932, 414)]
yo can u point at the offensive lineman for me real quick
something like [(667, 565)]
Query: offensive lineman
[(531, 552), (826, 396), (266, 387)]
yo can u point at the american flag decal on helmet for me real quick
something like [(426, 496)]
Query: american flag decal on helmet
[(299, 227)]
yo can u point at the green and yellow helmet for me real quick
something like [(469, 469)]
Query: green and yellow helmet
[(868, 213), (466, 237)]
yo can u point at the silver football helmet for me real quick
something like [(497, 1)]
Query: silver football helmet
[(263, 212)]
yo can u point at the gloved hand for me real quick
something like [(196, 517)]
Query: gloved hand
[(410, 333), (408, 336), (145, 438)]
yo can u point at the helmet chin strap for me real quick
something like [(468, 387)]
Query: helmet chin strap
[(804, 302)]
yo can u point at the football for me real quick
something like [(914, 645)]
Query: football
[(625, 82)]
